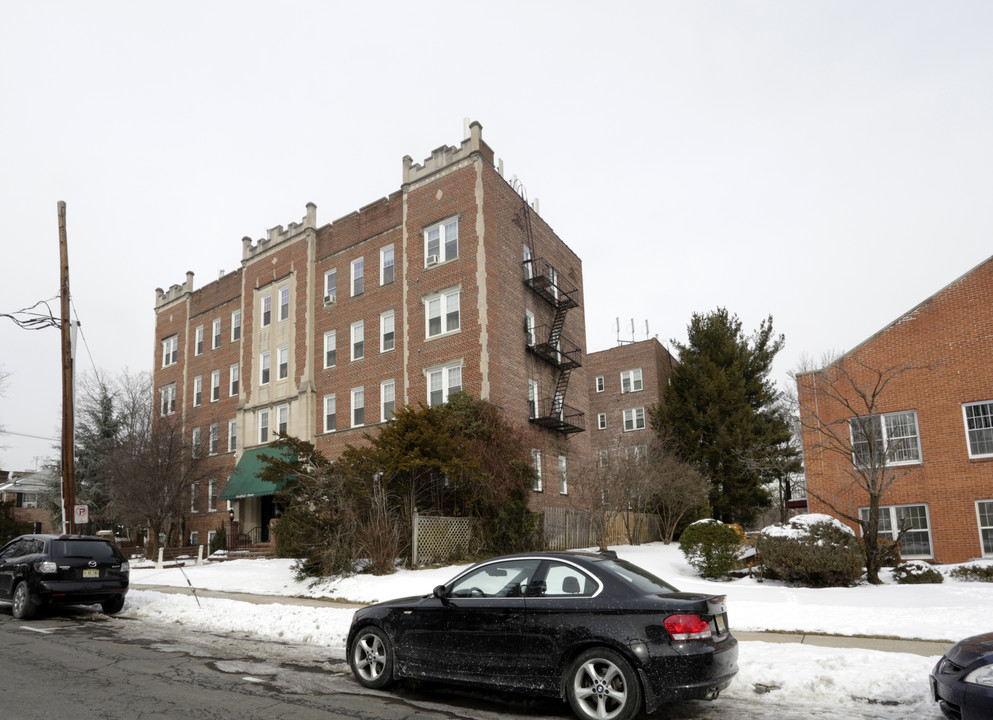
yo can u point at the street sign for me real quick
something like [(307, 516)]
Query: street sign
[(81, 514)]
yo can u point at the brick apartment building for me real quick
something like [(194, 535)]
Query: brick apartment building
[(26, 490), (451, 282), (938, 419), (627, 380)]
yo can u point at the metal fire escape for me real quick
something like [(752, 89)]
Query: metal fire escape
[(546, 282)]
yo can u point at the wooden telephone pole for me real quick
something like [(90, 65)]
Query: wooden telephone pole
[(68, 470)]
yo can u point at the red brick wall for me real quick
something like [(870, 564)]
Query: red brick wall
[(949, 337)]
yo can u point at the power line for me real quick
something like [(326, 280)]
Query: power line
[(28, 319)]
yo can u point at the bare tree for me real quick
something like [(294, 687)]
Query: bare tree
[(840, 411), (590, 492), (678, 489)]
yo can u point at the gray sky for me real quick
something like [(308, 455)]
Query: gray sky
[(828, 163)]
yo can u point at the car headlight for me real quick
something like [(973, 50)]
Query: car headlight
[(981, 676)]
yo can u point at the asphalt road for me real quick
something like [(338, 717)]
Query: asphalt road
[(78, 663)]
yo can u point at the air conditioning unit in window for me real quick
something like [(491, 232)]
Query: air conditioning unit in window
[(330, 299), (432, 260)]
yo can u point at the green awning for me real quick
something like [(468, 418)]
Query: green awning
[(245, 482)]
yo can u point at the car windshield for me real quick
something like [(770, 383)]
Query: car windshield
[(82, 549), (639, 579)]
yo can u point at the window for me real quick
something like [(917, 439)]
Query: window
[(266, 310), (212, 495), (358, 406), (330, 286), (601, 421), (528, 264), (215, 385), (358, 276), (508, 578), (532, 399), (330, 412), (562, 580), (358, 340), (264, 368), (216, 334), (442, 382), (893, 436), (330, 349), (979, 428), (386, 265), (984, 509), (213, 439), (387, 335), (283, 419), (284, 303), (236, 325), (282, 362), (529, 327), (197, 391), (263, 426), (168, 399), (194, 537), (170, 350), (634, 419), (563, 481), (603, 458), (536, 461), (387, 399), (442, 313), (917, 539), (198, 341), (234, 374), (195, 451), (232, 435), (631, 381), (195, 496), (599, 383), (441, 242)]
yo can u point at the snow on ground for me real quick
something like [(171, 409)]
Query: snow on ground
[(832, 678)]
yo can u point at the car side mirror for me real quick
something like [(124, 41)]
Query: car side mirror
[(439, 592)]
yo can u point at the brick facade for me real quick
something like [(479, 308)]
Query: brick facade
[(949, 340), (633, 377), (486, 348)]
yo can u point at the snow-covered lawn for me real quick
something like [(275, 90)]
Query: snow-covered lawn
[(866, 683)]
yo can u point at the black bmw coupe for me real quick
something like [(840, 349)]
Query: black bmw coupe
[(605, 634)]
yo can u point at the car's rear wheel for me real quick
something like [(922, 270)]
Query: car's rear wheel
[(372, 658), (114, 605), (24, 606), (602, 685)]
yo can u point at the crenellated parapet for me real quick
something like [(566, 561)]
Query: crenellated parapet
[(277, 235), (176, 292), (446, 156)]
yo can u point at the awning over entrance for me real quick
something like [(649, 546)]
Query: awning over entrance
[(245, 483)]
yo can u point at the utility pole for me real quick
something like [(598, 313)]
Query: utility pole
[(68, 470)]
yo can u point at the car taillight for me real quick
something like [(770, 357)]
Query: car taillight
[(126, 567), (687, 627), (46, 568)]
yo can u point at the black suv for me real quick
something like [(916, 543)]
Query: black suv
[(40, 570)]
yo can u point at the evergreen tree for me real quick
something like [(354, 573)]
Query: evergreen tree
[(97, 437), (720, 408)]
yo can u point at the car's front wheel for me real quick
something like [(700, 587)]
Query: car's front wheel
[(602, 685), (372, 658), (114, 605), (24, 607)]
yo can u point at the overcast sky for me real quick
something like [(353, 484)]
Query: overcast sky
[(827, 163)]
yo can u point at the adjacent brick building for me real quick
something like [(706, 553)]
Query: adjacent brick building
[(625, 382), (937, 417), (451, 282)]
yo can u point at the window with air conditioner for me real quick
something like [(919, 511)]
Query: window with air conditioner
[(441, 242)]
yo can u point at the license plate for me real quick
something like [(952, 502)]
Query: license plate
[(91, 573), (721, 625)]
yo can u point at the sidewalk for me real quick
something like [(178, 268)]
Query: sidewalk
[(927, 648)]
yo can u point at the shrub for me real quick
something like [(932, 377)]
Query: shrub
[(219, 541), (973, 573), (812, 550), (916, 572), (711, 547)]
